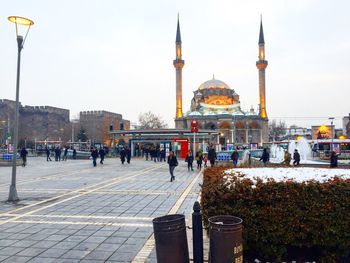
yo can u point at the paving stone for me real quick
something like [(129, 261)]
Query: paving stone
[(75, 254), (42, 260), (31, 252), (10, 251), (85, 246), (24, 243), (53, 253), (44, 244), (16, 259), (99, 255)]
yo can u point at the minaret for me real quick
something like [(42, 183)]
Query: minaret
[(261, 64), (178, 64)]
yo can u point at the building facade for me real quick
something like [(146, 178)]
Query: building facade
[(98, 124), (35, 122), (216, 106)]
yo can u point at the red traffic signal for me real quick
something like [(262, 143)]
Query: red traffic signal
[(194, 126)]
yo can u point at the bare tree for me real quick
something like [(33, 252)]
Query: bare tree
[(149, 120), (277, 131)]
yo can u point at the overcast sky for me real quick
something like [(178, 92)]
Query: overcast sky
[(117, 55)]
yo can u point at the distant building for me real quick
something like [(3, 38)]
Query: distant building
[(98, 124), (293, 131), (35, 122), (346, 126)]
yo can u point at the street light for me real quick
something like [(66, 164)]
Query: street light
[(332, 132), (18, 21)]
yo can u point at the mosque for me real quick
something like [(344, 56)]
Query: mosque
[(215, 106)]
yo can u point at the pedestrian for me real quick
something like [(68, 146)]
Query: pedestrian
[(334, 160), (59, 153), (56, 154), (94, 155), (199, 159), (189, 159), (48, 154), (74, 154), (265, 157), (172, 161), (65, 153), (287, 158), (24, 154), (296, 157), (235, 157), (205, 159), (101, 152), (162, 155), (128, 155), (212, 155), (122, 155)]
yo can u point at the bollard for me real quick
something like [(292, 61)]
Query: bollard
[(197, 233), (225, 239), (171, 239)]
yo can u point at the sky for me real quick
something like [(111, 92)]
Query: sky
[(117, 55)]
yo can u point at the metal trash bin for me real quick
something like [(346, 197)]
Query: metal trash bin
[(225, 233), (171, 239)]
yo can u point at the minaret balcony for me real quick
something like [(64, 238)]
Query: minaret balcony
[(179, 63)]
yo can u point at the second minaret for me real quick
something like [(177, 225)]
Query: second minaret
[(261, 64), (178, 64)]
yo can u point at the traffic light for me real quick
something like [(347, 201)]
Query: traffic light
[(194, 126)]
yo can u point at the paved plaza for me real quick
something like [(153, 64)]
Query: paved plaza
[(73, 212)]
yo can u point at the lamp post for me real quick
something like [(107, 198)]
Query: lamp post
[(332, 132), (18, 21)]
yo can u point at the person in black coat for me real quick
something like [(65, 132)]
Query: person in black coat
[(48, 154), (334, 160), (122, 155), (128, 155), (199, 158), (296, 157), (235, 157), (24, 154), (189, 159), (74, 154), (172, 161), (94, 155), (102, 155), (212, 155), (265, 157)]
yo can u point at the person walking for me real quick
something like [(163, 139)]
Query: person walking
[(199, 159), (334, 160), (94, 155), (122, 155), (24, 154), (65, 153), (128, 155), (74, 154), (189, 159), (56, 154), (101, 152), (265, 157), (205, 160), (48, 154), (212, 155), (235, 157), (172, 161), (287, 158), (296, 157)]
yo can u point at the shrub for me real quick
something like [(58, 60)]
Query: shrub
[(283, 220)]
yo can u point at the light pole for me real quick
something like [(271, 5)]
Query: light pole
[(19, 21), (332, 132)]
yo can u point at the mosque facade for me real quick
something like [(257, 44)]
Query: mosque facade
[(216, 106)]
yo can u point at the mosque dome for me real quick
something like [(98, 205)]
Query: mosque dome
[(213, 84)]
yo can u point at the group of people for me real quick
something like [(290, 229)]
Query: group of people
[(154, 153), (58, 154), (200, 158), (125, 154)]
